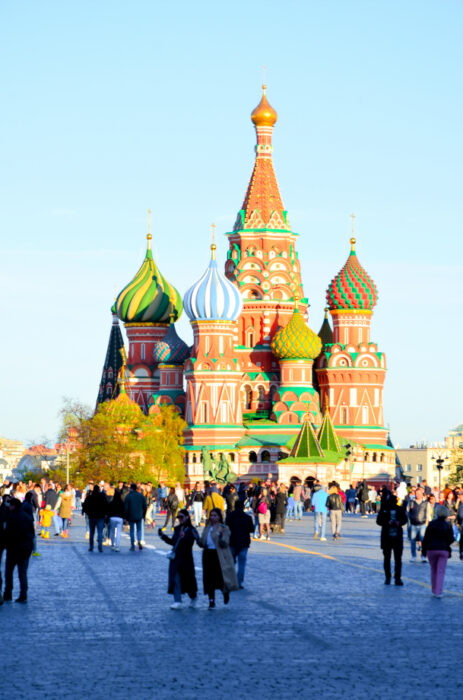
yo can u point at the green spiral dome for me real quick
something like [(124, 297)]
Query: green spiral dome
[(296, 341), (149, 297)]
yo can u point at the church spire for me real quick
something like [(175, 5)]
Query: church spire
[(263, 207)]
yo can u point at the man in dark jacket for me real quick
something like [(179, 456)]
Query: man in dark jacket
[(363, 496), (241, 527), (391, 518), (19, 539), (134, 511), (418, 518), (4, 513), (95, 507)]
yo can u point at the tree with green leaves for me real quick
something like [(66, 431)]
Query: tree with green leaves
[(456, 466)]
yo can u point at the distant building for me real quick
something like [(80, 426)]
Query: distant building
[(11, 452), (419, 464), (454, 439)]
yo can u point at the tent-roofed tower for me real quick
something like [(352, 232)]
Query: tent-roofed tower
[(109, 387), (263, 263)]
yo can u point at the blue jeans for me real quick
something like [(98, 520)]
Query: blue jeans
[(289, 512), (115, 530), (133, 524), (319, 521), (416, 533), (298, 510), (240, 559), (97, 523)]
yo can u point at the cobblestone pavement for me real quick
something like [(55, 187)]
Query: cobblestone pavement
[(314, 618)]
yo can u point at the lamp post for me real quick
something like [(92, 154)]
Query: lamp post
[(67, 461), (439, 466)]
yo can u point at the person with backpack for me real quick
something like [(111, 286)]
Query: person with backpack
[(363, 496), (335, 508), (263, 512), (391, 518), (171, 508)]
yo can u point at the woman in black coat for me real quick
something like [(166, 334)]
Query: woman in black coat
[(182, 577), (281, 502), (391, 518)]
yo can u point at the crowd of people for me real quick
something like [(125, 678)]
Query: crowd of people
[(230, 516)]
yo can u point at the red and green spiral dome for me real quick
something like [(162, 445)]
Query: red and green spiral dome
[(352, 288)]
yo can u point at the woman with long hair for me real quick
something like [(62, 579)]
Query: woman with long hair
[(436, 546), (182, 578), (218, 566)]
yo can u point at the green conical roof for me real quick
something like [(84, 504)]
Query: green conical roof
[(148, 298), (296, 341), (326, 332), (329, 441), (307, 445)]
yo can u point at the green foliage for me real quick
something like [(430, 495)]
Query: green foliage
[(120, 443), (456, 466)]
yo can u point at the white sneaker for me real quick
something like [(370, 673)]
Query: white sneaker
[(193, 602), (322, 539), (176, 606), (413, 560)]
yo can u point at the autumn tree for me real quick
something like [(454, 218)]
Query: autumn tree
[(456, 466)]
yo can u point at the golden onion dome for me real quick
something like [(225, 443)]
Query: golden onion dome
[(264, 114)]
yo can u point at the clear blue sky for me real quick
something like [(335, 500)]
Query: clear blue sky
[(109, 108)]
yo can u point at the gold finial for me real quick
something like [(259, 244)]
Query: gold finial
[(296, 301), (327, 308), (172, 318), (327, 404), (213, 246), (264, 72), (352, 245), (149, 236)]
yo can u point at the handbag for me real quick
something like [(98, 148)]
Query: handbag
[(171, 555)]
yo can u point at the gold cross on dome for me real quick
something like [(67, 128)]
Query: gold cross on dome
[(352, 216), (213, 232), (149, 220), (264, 72)]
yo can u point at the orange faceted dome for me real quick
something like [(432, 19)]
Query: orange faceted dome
[(264, 114)]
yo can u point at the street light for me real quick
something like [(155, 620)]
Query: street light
[(439, 466)]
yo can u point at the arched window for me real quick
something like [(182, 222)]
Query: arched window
[(265, 456), (374, 457), (381, 457), (247, 398), (250, 337), (367, 456), (261, 394), (143, 351), (252, 457), (231, 456), (194, 459)]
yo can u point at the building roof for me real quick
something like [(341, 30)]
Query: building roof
[(171, 349), (296, 341), (352, 288), (112, 365), (213, 297), (329, 441), (149, 297), (326, 332)]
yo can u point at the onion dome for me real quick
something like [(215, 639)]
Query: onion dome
[(171, 349), (264, 114), (352, 288), (213, 297), (148, 298), (326, 332), (296, 341)]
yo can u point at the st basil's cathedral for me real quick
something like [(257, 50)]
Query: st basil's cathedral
[(259, 387)]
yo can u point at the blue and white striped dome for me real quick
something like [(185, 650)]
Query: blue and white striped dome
[(213, 297)]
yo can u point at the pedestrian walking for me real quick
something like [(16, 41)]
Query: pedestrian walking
[(134, 513), (213, 500), (116, 513), (64, 510), (319, 498), (241, 527), (335, 508), (418, 519), (363, 495), (197, 499), (171, 503), (218, 565), (19, 541), (182, 577), (459, 506), (281, 503), (391, 518), (436, 545), (263, 511), (95, 508)]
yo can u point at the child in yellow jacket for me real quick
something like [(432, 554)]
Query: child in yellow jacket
[(46, 515)]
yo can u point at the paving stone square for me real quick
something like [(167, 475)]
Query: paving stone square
[(315, 619)]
